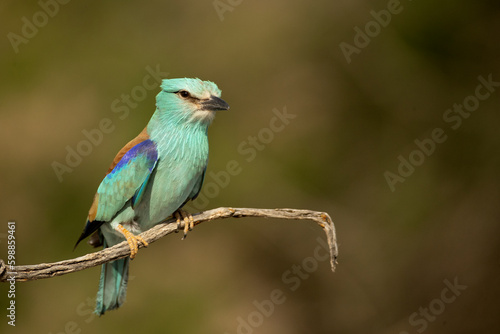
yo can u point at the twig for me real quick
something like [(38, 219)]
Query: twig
[(121, 250)]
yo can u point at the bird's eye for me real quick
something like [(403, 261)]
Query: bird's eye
[(184, 94)]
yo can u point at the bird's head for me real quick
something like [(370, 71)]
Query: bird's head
[(189, 100)]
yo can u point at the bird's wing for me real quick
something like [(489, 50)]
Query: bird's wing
[(197, 186), (196, 189), (126, 180)]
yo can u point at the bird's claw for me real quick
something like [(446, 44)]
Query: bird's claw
[(132, 240), (184, 217)]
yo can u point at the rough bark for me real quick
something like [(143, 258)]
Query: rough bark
[(121, 250)]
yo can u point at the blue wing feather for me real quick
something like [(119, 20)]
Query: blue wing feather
[(138, 194), (127, 180)]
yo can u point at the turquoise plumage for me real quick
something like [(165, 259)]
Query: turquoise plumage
[(152, 177)]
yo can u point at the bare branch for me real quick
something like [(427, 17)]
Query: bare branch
[(121, 250)]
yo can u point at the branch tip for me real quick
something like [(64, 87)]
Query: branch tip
[(121, 250)]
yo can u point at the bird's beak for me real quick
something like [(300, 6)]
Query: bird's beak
[(214, 103)]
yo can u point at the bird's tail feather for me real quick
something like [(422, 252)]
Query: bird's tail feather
[(112, 285)]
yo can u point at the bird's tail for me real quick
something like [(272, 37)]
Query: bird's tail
[(112, 285)]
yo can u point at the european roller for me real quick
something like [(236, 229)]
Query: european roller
[(152, 177)]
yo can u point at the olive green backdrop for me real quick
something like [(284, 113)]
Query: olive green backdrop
[(357, 85)]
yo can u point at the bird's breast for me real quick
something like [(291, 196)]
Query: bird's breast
[(178, 171)]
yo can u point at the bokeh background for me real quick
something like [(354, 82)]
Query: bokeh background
[(353, 119)]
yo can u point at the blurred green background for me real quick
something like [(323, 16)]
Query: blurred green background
[(398, 249)]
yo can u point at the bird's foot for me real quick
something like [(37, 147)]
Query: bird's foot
[(185, 217), (132, 240)]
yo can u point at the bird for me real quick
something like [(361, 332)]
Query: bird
[(152, 177)]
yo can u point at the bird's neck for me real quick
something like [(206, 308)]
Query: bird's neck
[(175, 137)]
